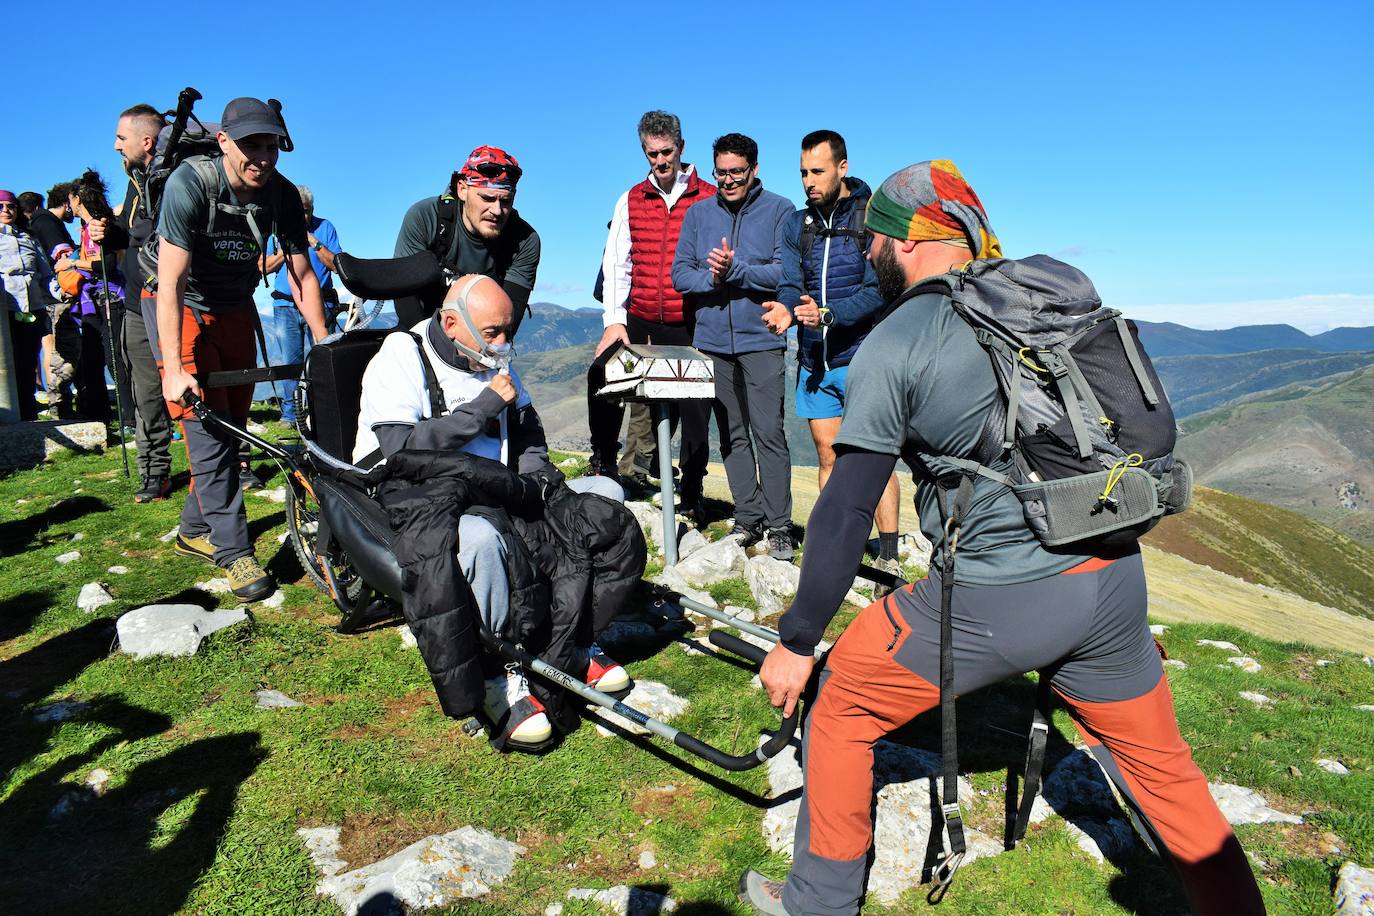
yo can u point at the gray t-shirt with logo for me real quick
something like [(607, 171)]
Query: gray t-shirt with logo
[(224, 263), (920, 382)]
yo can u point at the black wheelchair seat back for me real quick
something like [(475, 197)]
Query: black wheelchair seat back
[(334, 388)]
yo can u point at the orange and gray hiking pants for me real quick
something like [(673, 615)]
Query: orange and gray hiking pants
[(1085, 629)]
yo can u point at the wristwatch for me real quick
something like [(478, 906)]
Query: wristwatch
[(827, 318), (318, 245)]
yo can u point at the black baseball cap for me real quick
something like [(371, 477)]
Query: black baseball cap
[(246, 116)]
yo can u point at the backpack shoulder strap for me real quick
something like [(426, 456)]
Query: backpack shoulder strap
[(444, 227), (437, 406), (808, 234)]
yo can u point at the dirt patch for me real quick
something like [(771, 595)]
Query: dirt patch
[(367, 838), (1306, 841), (681, 805)]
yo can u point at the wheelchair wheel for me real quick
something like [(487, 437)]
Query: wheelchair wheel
[(302, 524)]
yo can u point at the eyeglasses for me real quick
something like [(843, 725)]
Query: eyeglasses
[(736, 174), (8, 205)]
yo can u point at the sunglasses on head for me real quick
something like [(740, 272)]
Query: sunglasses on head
[(494, 170)]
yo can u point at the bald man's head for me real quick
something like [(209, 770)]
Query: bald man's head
[(488, 309)]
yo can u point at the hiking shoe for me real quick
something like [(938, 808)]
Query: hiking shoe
[(748, 534), (605, 673), (893, 566), (248, 480), (781, 546), (512, 709), (763, 895), (153, 489), (598, 466), (200, 548), (248, 580)]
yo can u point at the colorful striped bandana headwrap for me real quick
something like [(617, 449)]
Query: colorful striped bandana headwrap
[(929, 201)]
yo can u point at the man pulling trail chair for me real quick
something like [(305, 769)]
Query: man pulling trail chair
[(394, 533)]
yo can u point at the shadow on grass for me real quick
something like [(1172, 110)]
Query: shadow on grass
[(18, 612), (139, 848), (17, 535)]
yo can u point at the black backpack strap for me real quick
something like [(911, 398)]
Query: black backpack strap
[(437, 406), (445, 225), (954, 495), (808, 235), (1035, 765)]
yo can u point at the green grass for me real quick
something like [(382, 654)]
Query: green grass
[(206, 791)]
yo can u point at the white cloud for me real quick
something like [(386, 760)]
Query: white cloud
[(1312, 314)]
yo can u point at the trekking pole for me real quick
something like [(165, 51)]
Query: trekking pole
[(114, 357)]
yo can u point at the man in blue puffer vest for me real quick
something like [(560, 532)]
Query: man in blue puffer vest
[(830, 290), (727, 265)]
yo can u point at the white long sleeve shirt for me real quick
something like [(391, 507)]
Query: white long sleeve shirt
[(615, 262)]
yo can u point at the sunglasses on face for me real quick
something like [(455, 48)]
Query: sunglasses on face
[(8, 206)]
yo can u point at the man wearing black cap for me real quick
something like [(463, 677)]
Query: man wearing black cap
[(216, 213), (473, 228)]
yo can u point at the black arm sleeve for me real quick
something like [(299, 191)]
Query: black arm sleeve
[(527, 441), (846, 507), (446, 432), (519, 300)]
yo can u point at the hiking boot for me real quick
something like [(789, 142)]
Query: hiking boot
[(891, 565), (153, 489), (605, 673), (694, 508), (598, 466), (763, 895), (781, 546), (199, 548), (511, 707), (248, 480), (748, 534), (248, 580)]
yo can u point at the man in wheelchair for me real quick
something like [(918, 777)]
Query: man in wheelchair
[(447, 386)]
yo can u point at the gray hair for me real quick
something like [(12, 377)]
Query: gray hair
[(307, 198), (660, 124)]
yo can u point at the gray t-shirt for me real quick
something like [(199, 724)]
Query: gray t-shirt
[(921, 383), (512, 256), (224, 264)]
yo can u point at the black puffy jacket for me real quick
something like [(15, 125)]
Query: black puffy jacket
[(573, 560)]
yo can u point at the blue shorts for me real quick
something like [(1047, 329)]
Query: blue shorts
[(820, 395)]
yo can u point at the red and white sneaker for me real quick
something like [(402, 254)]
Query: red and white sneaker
[(605, 673), (515, 712)]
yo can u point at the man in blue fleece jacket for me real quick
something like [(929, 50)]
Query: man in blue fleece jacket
[(728, 264)]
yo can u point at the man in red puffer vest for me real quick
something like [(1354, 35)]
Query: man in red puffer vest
[(641, 306)]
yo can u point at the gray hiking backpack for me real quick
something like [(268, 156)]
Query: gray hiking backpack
[(1084, 419)]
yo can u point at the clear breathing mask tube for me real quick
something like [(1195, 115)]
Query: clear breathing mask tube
[(491, 356)]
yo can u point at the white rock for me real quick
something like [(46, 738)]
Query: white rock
[(671, 579), (1158, 629), (1246, 806), (1354, 894), (322, 843), (1102, 839), (1333, 766), (742, 614), (1245, 663), (647, 859), (902, 826), (691, 541), (117, 570), (171, 629), (79, 536), (651, 520), (97, 781), (772, 583), (650, 698), (553, 909), (170, 536), (623, 900), (1365, 708), (256, 428), (64, 558), (1219, 644), (60, 711), (914, 549), (713, 563), (218, 586), (93, 596), (408, 639), (568, 463), (1324, 662), (275, 699), (431, 872), (696, 647), (1175, 663), (275, 599), (1369, 661), (277, 495), (1258, 699), (282, 538)]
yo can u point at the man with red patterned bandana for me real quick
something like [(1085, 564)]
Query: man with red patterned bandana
[(472, 228)]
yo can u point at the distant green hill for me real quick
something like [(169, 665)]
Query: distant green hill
[(1202, 382), (1304, 448)]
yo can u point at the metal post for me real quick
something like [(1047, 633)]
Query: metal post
[(665, 483), (9, 390)]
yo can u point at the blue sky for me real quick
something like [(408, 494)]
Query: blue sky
[(1205, 163)]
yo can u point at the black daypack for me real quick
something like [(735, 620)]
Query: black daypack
[(1086, 436)]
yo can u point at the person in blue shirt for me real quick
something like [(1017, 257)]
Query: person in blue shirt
[(288, 326)]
